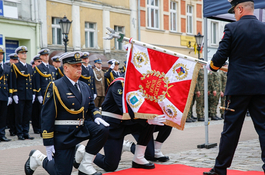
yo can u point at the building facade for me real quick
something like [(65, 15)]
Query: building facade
[(171, 24), (19, 26)]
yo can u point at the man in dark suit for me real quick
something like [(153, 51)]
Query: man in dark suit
[(69, 117), (13, 58), (21, 85), (57, 64), (113, 72), (243, 42), (120, 126), (5, 94), (88, 74), (43, 75)]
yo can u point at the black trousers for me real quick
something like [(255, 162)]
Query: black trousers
[(23, 112), (11, 117), (62, 163), (3, 112), (233, 122), (35, 117), (114, 143), (163, 133)]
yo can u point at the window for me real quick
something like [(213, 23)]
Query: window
[(214, 27), (153, 14), (90, 34), (189, 19), (173, 16), (118, 45), (56, 31)]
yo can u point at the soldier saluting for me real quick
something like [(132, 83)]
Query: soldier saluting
[(69, 117)]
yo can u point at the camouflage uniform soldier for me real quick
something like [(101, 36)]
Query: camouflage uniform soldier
[(223, 83), (190, 117), (214, 89), (200, 95)]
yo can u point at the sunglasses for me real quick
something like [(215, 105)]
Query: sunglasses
[(39, 61)]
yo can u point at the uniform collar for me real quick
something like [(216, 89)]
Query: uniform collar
[(24, 64), (72, 81), (45, 64)]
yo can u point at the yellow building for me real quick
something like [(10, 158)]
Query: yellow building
[(89, 21)]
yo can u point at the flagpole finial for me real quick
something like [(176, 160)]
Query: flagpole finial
[(112, 34)]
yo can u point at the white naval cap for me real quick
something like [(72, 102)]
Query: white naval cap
[(21, 49), (71, 57), (44, 52), (2, 49)]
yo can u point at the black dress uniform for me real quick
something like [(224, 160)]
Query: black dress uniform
[(88, 77), (243, 42), (119, 128), (67, 118), (21, 86), (110, 75), (11, 107), (60, 73), (4, 94)]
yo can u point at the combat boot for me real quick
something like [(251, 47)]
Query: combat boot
[(86, 165), (34, 161)]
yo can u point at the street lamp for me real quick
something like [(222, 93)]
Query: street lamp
[(199, 39), (65, 27)]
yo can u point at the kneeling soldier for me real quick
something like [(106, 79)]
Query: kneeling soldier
[(69, 117)]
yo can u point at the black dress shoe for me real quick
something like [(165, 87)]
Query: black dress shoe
[(200, 119), (188, 120), (144, 166), (27, 169), (96, 173), (20, 138), (28, 137), (4, 139), (211, 172), (159, 159), (214, 118)]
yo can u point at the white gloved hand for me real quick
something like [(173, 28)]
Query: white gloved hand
[(33, 98), (158, 120), (113, 64), (9, 101), (208, 66), (15, 97), (100, 120), (40, 98), (95, 96), (49, 151)]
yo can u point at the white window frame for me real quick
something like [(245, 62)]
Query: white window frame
[(119, 46), (55, 27), (189, 19), (87, 36), (155, 8), (173, 12), (214, 32)]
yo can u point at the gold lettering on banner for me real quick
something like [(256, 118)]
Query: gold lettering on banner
[(155, 86)]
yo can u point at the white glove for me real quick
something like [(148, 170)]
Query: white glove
[(9, 101), (49, 151), (113, 64), (100, 120), (95, 96), (15, 97), (158, 120), (40, 98), (33, 98), (208, 66)]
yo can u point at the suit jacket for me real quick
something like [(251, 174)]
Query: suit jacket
[(5, 83), (39, 79), (243, 42), (89, 81), (100, 85), (66, 136), (21, 81)]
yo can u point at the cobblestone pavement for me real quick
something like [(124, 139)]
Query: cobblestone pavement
[(247, 156)]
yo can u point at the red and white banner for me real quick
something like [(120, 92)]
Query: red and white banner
[(157, 83)]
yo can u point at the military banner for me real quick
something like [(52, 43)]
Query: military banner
[(157, 83)]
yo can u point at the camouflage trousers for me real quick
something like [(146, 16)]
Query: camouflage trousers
[(222, 104), (191, 105), (213, 102), (200, 105)]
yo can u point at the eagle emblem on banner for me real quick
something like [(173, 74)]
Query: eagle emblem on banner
[(140, 59)]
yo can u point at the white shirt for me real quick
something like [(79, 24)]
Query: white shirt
[(73, 83), (45, 64), (2, 64), (24, 64)]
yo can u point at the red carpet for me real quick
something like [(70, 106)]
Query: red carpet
[(177, 169)]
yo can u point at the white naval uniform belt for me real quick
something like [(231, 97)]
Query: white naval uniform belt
[(69, 122), (110, 114)]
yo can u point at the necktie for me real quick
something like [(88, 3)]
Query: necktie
[(87, 67), (76, 86)]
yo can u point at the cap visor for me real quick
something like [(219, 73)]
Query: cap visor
[(231, 10), (75, 62)]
